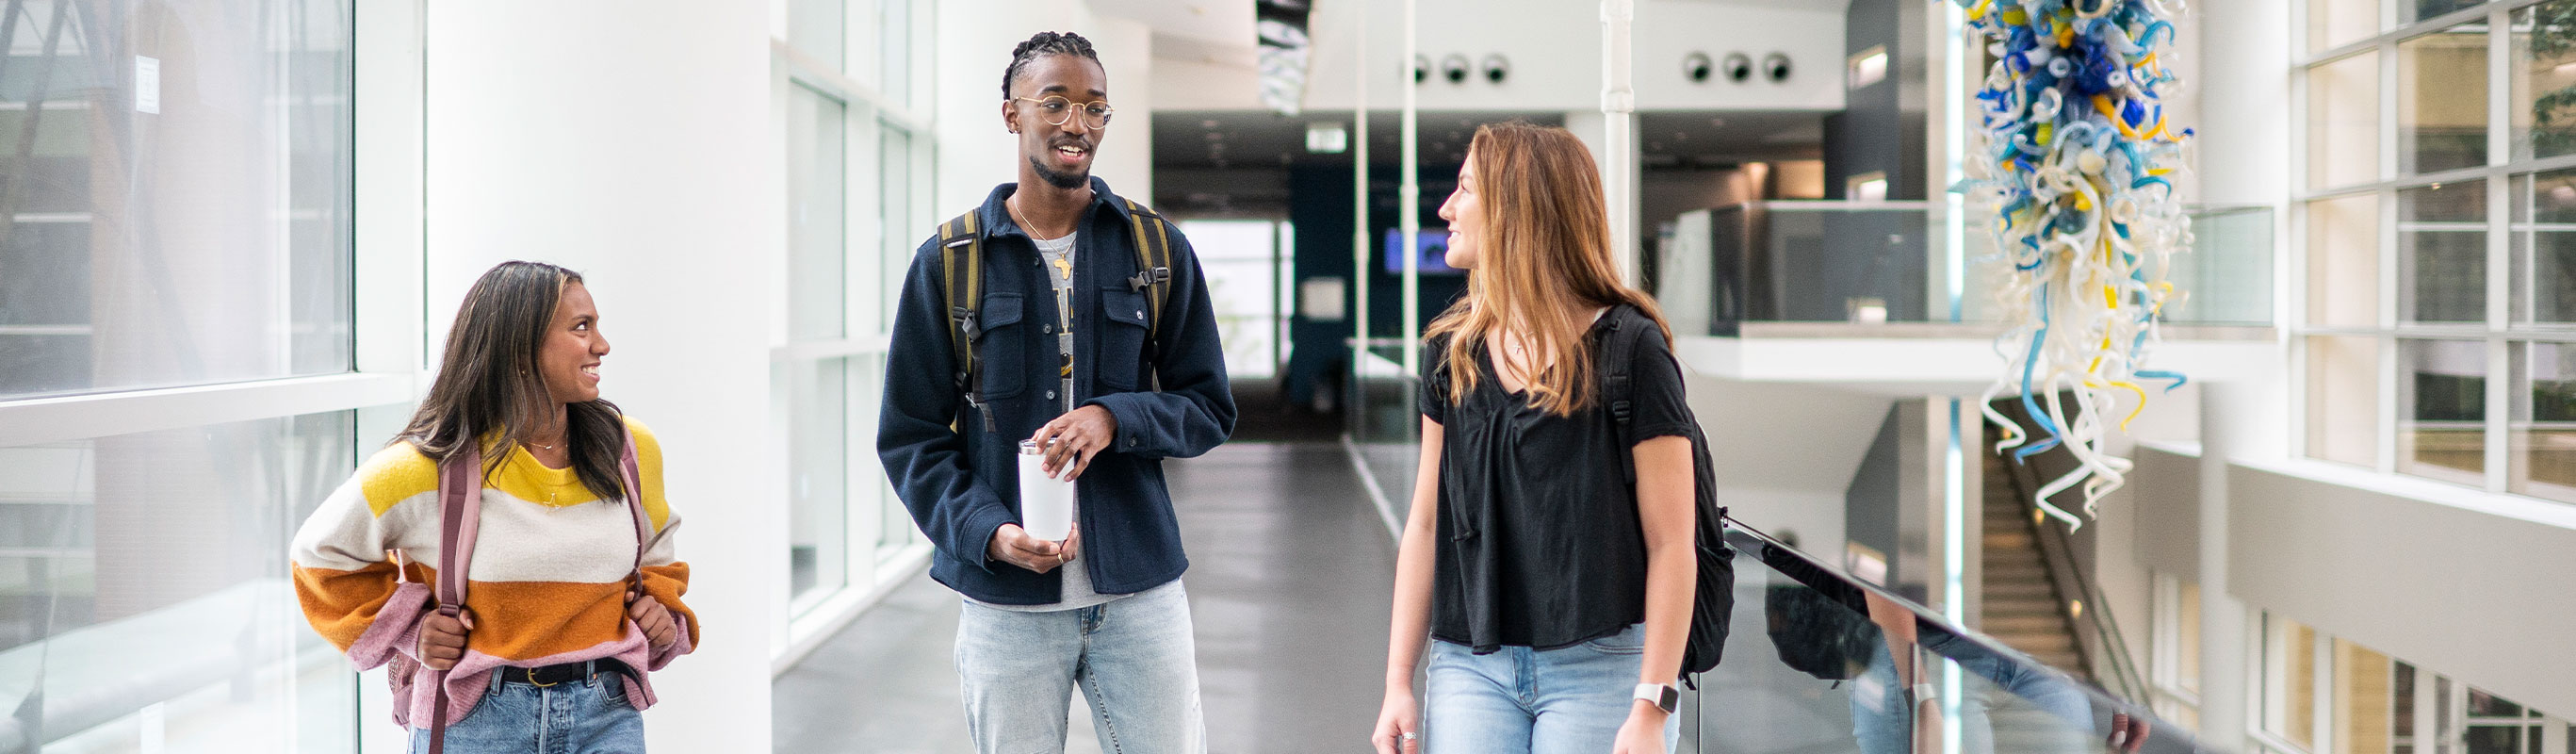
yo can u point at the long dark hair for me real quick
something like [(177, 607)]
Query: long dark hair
[(489, 385)]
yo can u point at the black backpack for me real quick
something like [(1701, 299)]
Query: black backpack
[(1714, 599), (961, 244)]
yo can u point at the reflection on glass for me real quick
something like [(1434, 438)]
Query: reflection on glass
[(819, 503), (2441, 396), (144, 594), (2343, 399), (2343, 122), (2228, 269), (2343, 261), (2335, 23), (2544, 80), (207, 242), (1838, 666), (2441, 123), (817, 224), (2442, 252)]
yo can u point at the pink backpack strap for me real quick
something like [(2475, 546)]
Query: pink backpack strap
[(460, 513)]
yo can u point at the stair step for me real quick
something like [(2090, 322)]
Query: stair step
[(2030, 622)]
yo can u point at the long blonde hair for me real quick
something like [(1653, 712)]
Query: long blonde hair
[(1544, 266)]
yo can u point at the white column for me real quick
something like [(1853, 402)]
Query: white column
[(1408, 201), (2225, 674), (1618, 147), (1360, 262)]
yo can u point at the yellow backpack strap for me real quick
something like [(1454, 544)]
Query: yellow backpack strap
[(1153, 237), (961, 245)]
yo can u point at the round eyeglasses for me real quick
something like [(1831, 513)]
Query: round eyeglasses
[(1057, 110)]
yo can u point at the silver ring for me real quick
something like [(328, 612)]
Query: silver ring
[(1408, 736)]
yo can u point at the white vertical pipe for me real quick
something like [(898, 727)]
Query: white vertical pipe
[(1619, 138), (1409, 197), (1360, 267)]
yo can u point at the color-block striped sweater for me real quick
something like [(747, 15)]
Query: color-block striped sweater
[(546, 582)]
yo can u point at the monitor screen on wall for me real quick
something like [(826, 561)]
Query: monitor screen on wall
[(1429, 246)]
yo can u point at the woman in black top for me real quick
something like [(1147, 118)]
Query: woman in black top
[(1557, 599)]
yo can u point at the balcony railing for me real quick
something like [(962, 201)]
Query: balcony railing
[(1882, 263)]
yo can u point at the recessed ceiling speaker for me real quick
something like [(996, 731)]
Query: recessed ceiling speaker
[(1421, 69), (1497, 68), (1454, 68), (1776, 66), (1697, 67), (1739, 67)]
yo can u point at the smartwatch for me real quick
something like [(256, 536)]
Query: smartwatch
[(1662, 695)]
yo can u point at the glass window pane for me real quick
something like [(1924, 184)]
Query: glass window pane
[(818, 28), (2335, 23), (2442, 253), (2290, 682), (2343, 261), (817, 228), (136, 252), (2544, 80), (903, 230), (144, 590), (2542, 438), (2343, 122), (2364, 698), (2442, 100), (2343, 399), (2187, 649), (818, 523), (2544, 247), (2441, 397), (895, 32), (2410, 11)]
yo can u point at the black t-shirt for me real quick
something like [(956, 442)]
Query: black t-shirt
[(1538, 543)]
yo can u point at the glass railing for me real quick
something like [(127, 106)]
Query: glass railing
[(1384, 422), (1879, 263), (1821, 662)]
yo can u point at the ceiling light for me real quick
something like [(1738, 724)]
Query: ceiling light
[(1327, 138)]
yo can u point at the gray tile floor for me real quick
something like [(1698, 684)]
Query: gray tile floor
[(1291, 565)]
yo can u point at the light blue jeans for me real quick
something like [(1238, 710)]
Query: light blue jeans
[(1557, 701), (574, 717), (1133, 659)]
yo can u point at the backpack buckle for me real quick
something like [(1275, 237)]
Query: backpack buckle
[(1619, 411), (1149, 277), (966, 323)]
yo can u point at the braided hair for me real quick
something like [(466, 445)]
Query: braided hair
[(1042, 44)]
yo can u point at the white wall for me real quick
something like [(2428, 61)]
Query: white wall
[(632, 141), (1785, 453), (2461, 582), (975, 41)]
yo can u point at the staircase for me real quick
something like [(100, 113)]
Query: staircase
[(2022, 606)]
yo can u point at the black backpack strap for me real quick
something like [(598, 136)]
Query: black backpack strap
[(1617, 389), (1153, 236), (961, 243)]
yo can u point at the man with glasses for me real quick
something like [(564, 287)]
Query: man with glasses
[(1064, 316)]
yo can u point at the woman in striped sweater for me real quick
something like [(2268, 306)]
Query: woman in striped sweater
[(553, 640)]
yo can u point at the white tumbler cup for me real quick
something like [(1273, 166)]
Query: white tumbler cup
[(1046, 505)]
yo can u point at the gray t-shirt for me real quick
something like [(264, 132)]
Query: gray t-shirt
[(1056, 257)]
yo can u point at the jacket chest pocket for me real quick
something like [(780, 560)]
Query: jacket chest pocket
[(1122, 337), (1002, 350)]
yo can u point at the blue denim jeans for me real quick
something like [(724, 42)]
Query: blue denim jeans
[(1518, 699), (1133, 659), (574, 717)]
